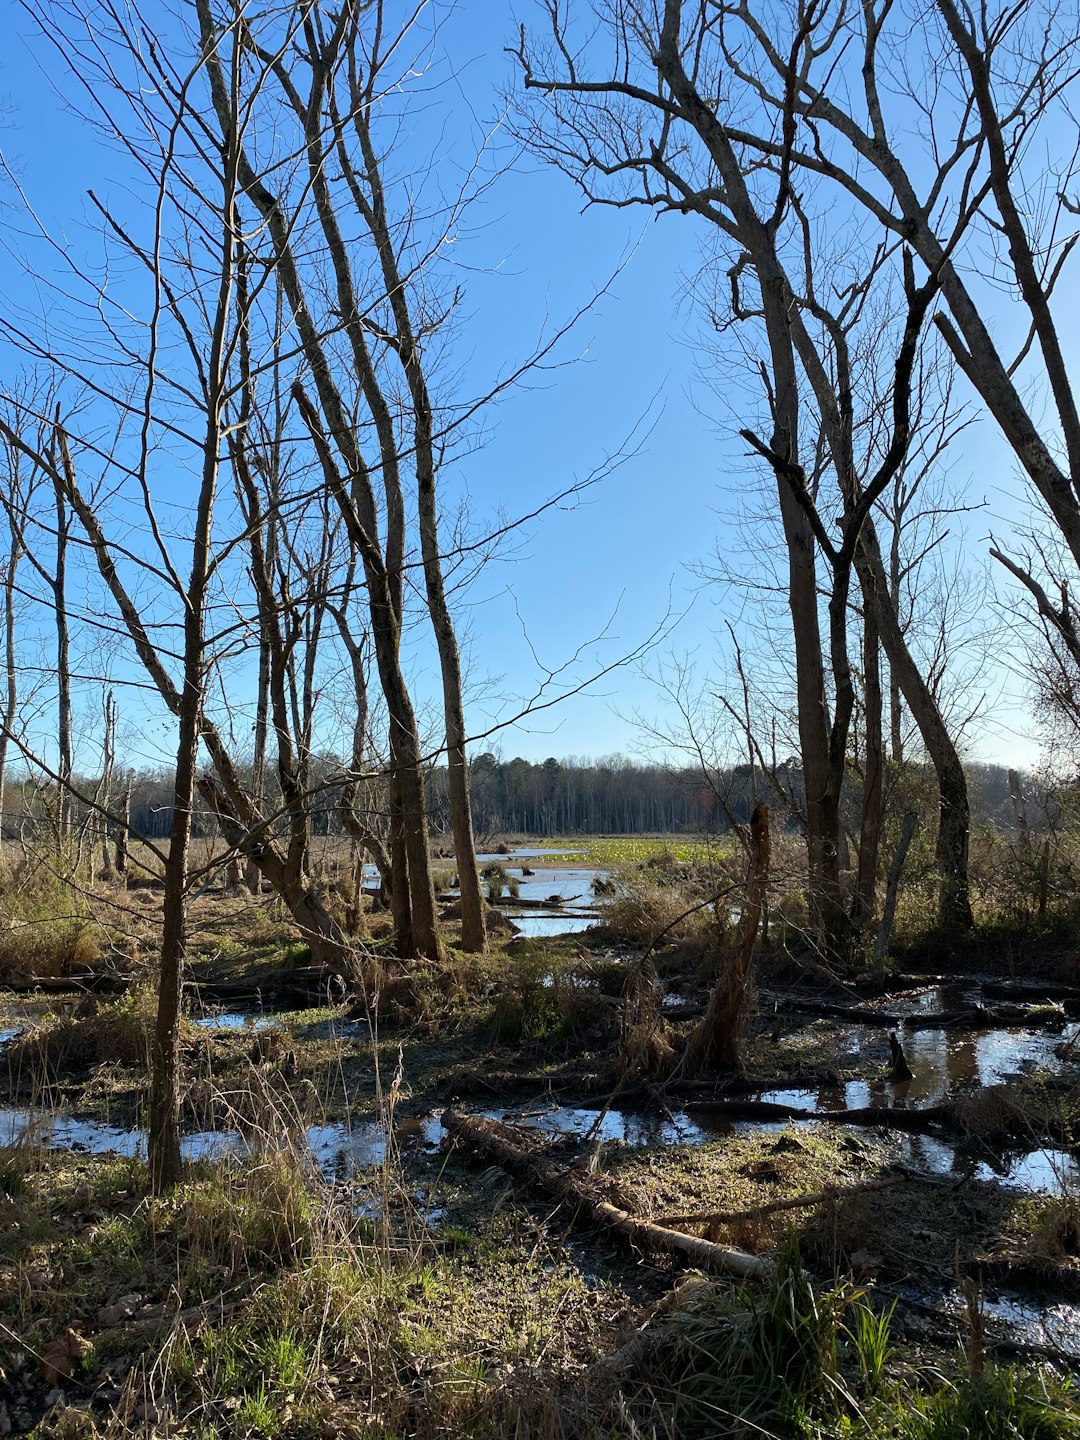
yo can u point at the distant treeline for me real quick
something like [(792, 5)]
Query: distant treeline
[(613, 796)]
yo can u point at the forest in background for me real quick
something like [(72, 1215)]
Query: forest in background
[(388, 1140)]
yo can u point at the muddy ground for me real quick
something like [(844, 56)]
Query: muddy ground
[(968, 1239)]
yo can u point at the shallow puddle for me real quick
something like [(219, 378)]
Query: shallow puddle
[(629, 1127), (241, 1020), (944, 1062), (1024, 1318), (538, 923), (338, 1149), (570, 885)]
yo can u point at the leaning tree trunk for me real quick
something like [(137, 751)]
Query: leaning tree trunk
[(715, 1043), (954, 814)]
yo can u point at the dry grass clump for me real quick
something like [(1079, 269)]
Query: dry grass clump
[(646, 1048), (46, 949), (539, 998), (256, 1211), (1055, 1236), (119, 1031), (45, 930), (642, 913)]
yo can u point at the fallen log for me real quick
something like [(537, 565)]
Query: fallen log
[(985, 1017), (104, 982), (986, 1113), (1036, 991), (499, 1143), (303, 983), (970, 1017), (827, 1010)]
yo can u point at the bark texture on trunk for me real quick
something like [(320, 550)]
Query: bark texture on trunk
[(873, 804), (715, 1043), (954, 811), (350, 482)]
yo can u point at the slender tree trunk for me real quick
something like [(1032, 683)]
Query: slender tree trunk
[(63, 671), (716, 1041), (400, 904), (907, 834), (122, 830), (954, 814), (11, 693), (355, 497), (473, 931), (873, 767), (105, 789), (373, 210), (252, 875)]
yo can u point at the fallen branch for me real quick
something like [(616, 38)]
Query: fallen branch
[(499, 1143), (798, 1202), (998, 1116)]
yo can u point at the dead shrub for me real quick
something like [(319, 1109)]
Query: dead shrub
[(117, 1032), (642, 914), (645, 1038), (1055, 1238), (46, 949)]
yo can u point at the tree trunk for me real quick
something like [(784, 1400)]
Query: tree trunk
[(63, 670), (400, 905), (164, 1142), (11, 695), (873, 766), (954, 815), (473, 932), (716, 1041), (907, 834), (252, 876), (122, 829)]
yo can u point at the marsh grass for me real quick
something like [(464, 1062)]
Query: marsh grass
[(46, 928), (116, 1031)]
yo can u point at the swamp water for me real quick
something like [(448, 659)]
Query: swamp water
[(946, 1063)]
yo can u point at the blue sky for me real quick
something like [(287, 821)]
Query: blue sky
[(620, 560)]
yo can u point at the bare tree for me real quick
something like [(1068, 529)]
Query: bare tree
[(960, 187), (650, 131)]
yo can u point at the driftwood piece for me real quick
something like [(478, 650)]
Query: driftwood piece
[(773, 1207), (499, 1143)]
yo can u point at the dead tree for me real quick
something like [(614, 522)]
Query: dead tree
[(661, 74), (715, 1043)]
